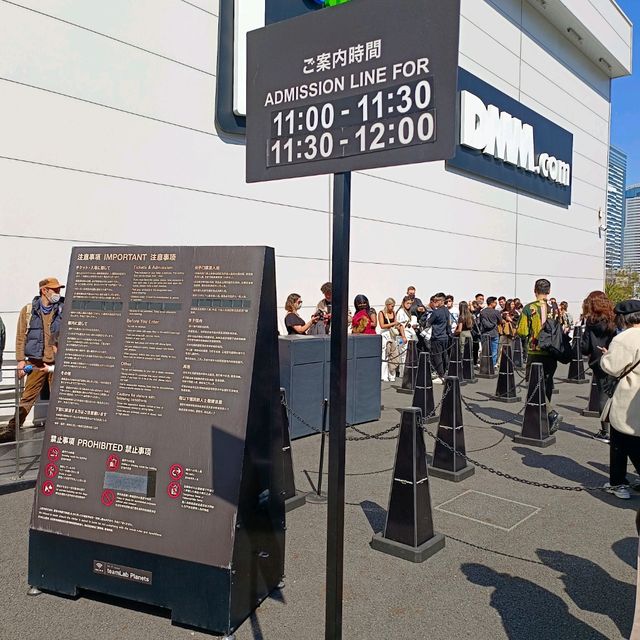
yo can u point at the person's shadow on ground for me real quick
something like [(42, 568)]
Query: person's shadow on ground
[(592, 588), (528, 611), (576, 473), (627, 550)]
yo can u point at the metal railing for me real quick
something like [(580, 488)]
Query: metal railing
[(23, 468)]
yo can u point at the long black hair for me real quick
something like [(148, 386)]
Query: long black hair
[(361, 302)]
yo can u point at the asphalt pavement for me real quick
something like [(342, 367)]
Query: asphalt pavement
[(520, 562)]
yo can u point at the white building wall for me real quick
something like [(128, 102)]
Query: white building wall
[(107, 137)]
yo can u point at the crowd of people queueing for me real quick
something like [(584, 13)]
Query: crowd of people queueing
[(610, 342)]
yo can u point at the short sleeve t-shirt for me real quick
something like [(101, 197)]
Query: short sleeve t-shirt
[(489, 321), (293, 320)]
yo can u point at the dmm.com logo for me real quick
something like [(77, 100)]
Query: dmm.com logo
[(500, 135)]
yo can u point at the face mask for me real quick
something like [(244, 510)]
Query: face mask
[(54, 297)]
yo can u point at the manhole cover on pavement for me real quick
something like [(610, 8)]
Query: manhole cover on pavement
[(493, 511)]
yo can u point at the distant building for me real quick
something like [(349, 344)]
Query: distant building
[(632, 228), (616, 183)]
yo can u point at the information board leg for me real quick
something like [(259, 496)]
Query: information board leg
[(337, 403)]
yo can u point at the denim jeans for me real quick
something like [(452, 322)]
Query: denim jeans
[(493, 341)]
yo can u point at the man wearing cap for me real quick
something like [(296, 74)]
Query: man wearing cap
[(36, 342)]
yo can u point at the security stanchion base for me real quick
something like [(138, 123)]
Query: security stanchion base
[(294, 502), (407, 391), (506, 399), (590, 414), (487, 376), (474, 381), (534, 442), (413, 554), (555, 392), (432, 419), (314, 498), (452, 476), (585, 381)]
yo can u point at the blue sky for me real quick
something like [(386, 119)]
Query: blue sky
[(625, 104)]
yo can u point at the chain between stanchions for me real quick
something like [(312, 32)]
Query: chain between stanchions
[(509, 476), (447, 350), (365, 436), (475, 463), (502, 422), (381, 435)]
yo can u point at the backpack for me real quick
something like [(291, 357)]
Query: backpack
[(555, 341)]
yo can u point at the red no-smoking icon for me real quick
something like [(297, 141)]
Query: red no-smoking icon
[(174, 490), (176, 471), (53, 454), (108, 497), (51, 471), (113, 462), (48, 488)]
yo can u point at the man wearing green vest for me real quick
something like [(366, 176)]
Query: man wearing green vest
[(533, 317)]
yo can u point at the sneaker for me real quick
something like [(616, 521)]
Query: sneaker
[(437, 381), (554, 421), (602, 435), (621, 491)]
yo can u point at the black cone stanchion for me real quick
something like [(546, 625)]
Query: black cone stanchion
[(468, 369), (408, 532), (423, 393), (593, 408), (577, 373), (447, 464), (506, 387), (455, 361), (410, 372), (292, 498), (487, 370), (518, 353), (535, 424)]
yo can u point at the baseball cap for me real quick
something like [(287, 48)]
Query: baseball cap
[(50, 283)]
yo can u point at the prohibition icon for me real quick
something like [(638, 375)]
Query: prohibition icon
[(54, 454), (174, 490), (108, 497), (113, 462), (176, 471), (51, 471), (48, 488)]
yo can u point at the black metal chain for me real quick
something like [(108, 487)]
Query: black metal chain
[(364, 435), (509, 476), (502, 422), (382, 435)]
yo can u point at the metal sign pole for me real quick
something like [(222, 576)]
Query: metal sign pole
[(338, 403)]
